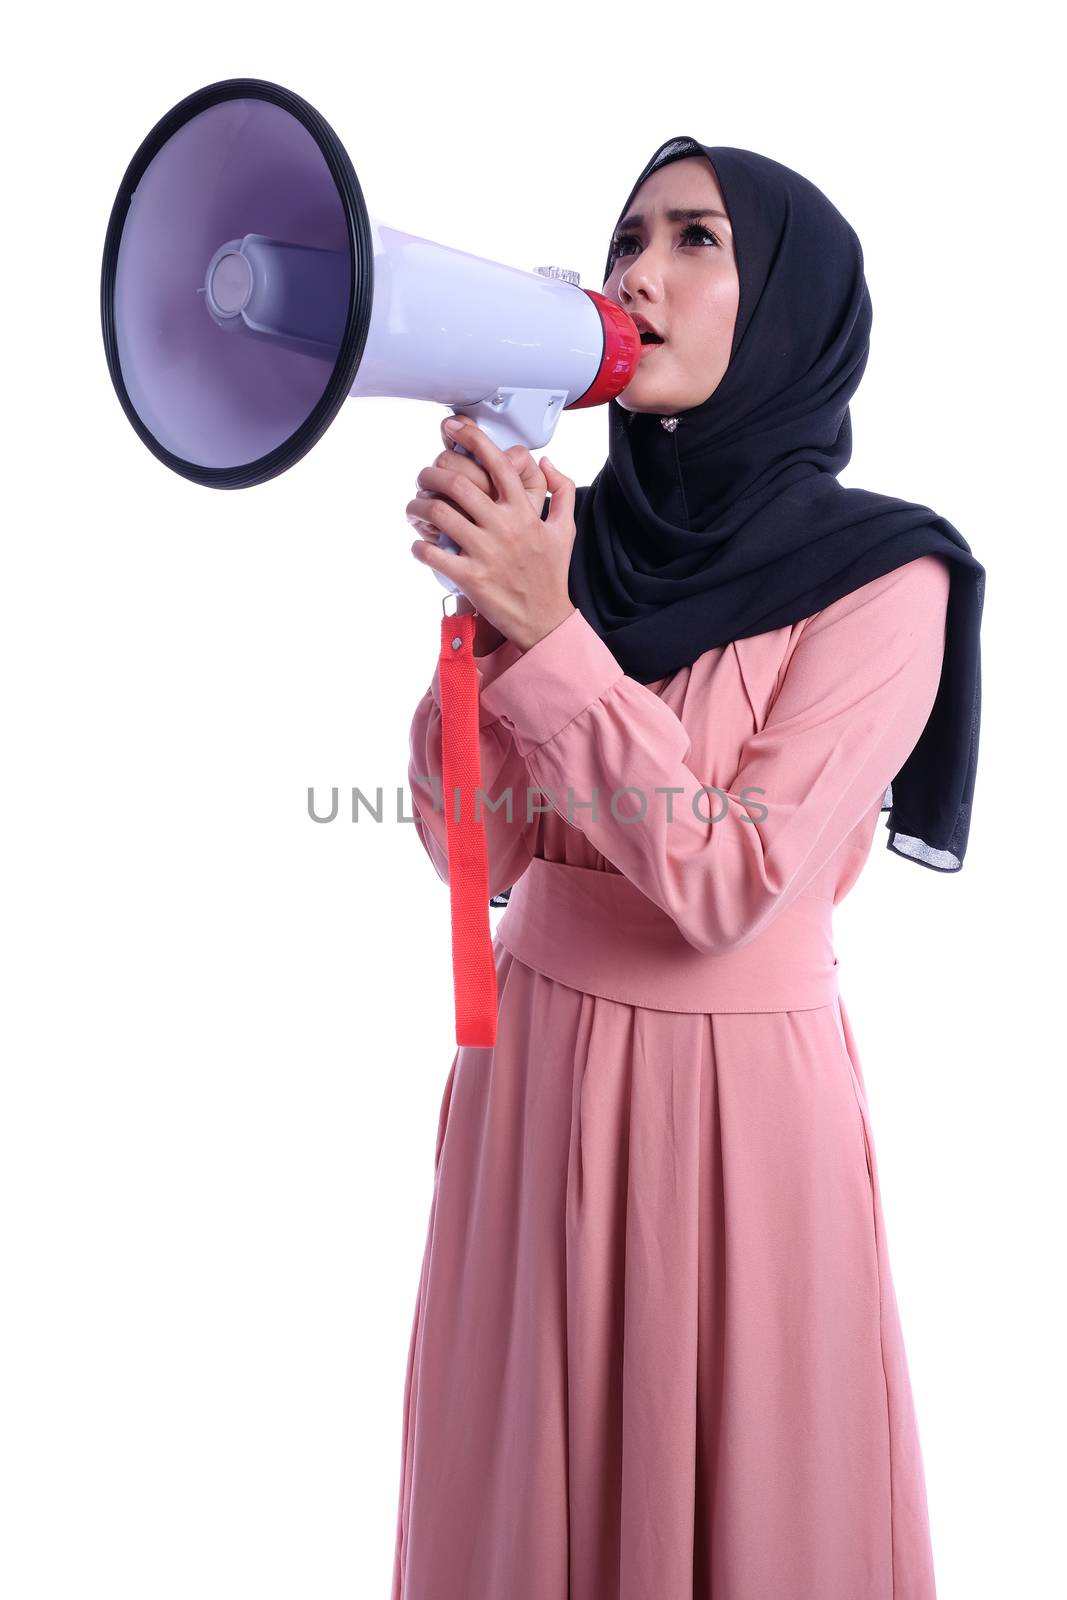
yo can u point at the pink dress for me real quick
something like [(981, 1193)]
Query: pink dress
[(656, 1352)]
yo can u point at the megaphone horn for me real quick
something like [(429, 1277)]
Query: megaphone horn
[(246, 292)]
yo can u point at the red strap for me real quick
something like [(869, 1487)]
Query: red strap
[(473, 962)]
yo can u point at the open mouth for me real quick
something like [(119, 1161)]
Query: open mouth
[(650, 338)]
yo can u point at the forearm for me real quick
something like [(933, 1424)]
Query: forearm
[(856, 696)]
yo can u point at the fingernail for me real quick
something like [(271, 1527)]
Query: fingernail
[(453, 425)]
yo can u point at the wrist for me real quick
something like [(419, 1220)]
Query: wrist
[(486, 637), (527, 641)]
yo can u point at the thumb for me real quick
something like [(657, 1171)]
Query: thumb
[(525, 465), (562, 491)]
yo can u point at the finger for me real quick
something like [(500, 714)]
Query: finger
[(563, 493), (467, 466), (468, 495), (506, 480), (418, 510), (528, 469), (444, 480), (446, 561), (417, 513), (447, 519)]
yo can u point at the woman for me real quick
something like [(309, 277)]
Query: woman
[(656, 1352)]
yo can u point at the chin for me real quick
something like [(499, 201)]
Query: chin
[(659, 405), (640, 395)]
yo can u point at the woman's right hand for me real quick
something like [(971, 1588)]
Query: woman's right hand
[(452, 460), (486, 637)]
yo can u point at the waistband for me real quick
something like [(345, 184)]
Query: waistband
[(595, 931)]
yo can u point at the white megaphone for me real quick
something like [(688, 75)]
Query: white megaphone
[(246, 292)]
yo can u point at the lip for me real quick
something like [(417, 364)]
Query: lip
[(643, 325), (647, 348)]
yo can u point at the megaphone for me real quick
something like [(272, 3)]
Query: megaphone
[(246, 292)]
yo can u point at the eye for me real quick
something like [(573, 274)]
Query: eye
[(692, 233)]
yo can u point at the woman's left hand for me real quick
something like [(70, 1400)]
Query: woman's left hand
[(511, 565)]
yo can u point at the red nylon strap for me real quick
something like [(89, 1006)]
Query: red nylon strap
[(473, 962)]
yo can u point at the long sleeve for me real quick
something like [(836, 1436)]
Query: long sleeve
[(853, 701), (509, 844)]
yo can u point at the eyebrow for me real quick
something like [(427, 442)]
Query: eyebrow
[(635, 219)]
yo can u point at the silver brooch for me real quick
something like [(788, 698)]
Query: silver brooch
[(670, 423)]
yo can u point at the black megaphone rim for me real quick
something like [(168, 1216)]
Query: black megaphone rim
[(360, 300)]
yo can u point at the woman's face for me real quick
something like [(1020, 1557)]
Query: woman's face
[(681, 275)]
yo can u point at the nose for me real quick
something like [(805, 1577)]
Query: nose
[(637, 281)]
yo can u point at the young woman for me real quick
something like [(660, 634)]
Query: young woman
[(656, 1352)]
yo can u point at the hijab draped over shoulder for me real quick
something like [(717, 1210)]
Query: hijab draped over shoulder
[(733, 522)]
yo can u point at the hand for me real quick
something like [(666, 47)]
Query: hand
[(450, 460), (486, 637), (510, 564)]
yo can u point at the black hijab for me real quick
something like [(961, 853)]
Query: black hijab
[(734, 523)]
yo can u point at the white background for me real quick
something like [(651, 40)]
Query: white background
[(226, 1030)]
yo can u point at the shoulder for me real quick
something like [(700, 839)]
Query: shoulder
[(888, 633), (910, 600)]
